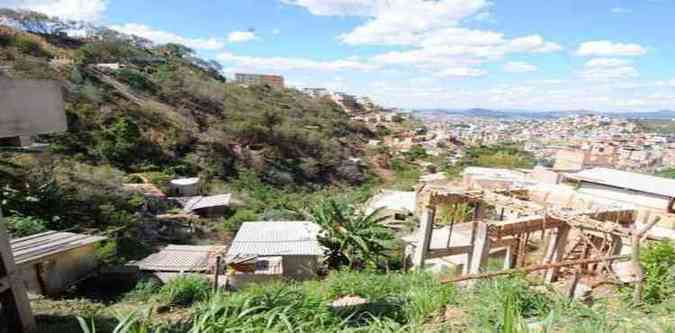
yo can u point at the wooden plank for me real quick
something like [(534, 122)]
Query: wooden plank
[(14, 299), (452, 251), (524, 225), (530, 269)]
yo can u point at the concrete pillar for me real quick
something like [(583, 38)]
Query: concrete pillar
[(509, 257), (556, 250), (478, 257), (424, 237)]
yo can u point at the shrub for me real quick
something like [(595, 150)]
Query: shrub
[(28, 46), (145, 289), (658, 260), (136, 81), (20, 226), (185, 290), (235, 221)]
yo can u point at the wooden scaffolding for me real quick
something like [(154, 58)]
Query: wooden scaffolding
[(588, 240)]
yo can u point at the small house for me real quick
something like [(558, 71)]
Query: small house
[(174, 260), (52, 261), (206, 206), (270, 250)]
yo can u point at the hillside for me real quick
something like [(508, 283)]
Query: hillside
[(168, 110)]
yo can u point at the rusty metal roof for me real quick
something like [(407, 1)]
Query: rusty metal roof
[(182, 258), (37, 247)]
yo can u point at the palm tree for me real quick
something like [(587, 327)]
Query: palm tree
[(351, 238)]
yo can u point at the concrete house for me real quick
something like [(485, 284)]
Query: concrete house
[(263, 251)]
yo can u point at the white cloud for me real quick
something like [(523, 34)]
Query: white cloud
[(241, 36), (621, 10), (400, 22), (532, 43), (276, 32), (519, 67), (606, 48), (335, 7), (460, 72), (604, 69), (85, 10), (286, 64), (163, 37)]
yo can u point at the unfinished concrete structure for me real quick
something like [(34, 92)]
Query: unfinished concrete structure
[(30, 107), (591, 240)]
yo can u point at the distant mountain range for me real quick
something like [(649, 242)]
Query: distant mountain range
[(534, 115)]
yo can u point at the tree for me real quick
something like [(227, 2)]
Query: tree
[(352, 239)]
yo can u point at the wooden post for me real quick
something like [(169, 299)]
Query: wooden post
[(573, 286), (424, 239), (555, 251), (216, 274), (481, 249), (14, 300)]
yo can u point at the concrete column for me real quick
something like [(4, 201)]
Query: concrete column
[(478, 258), (509, 257), (424, 237), (556, 250)]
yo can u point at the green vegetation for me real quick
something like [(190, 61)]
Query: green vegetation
[(663, 126), (498, 156), (669, 173), (658, 260), (352, 239)]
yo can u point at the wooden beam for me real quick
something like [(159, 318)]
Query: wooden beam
[(452, 251), (530, 269), (523, 225), (4, 284), (14, 299)]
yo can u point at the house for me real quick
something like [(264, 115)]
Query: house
[(52, 261), (275, 81), (174, 260), (397, 206), (271, 250), (654, 197), (206, 206)]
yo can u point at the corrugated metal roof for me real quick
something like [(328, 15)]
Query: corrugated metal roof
[(181, 258), (39, 246), (276, 239), (627, 180), (200, 202)]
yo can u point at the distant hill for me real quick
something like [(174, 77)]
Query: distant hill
[(166, 109), (534, 115)]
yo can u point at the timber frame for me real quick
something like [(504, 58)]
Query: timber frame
[(16, 311), (600, 235)]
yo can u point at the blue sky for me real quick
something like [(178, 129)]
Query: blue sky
[(608, 55)]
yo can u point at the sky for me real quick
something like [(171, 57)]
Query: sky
[(603, 55)]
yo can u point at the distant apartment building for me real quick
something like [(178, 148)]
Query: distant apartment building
[(317, 92), (275, 81)]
